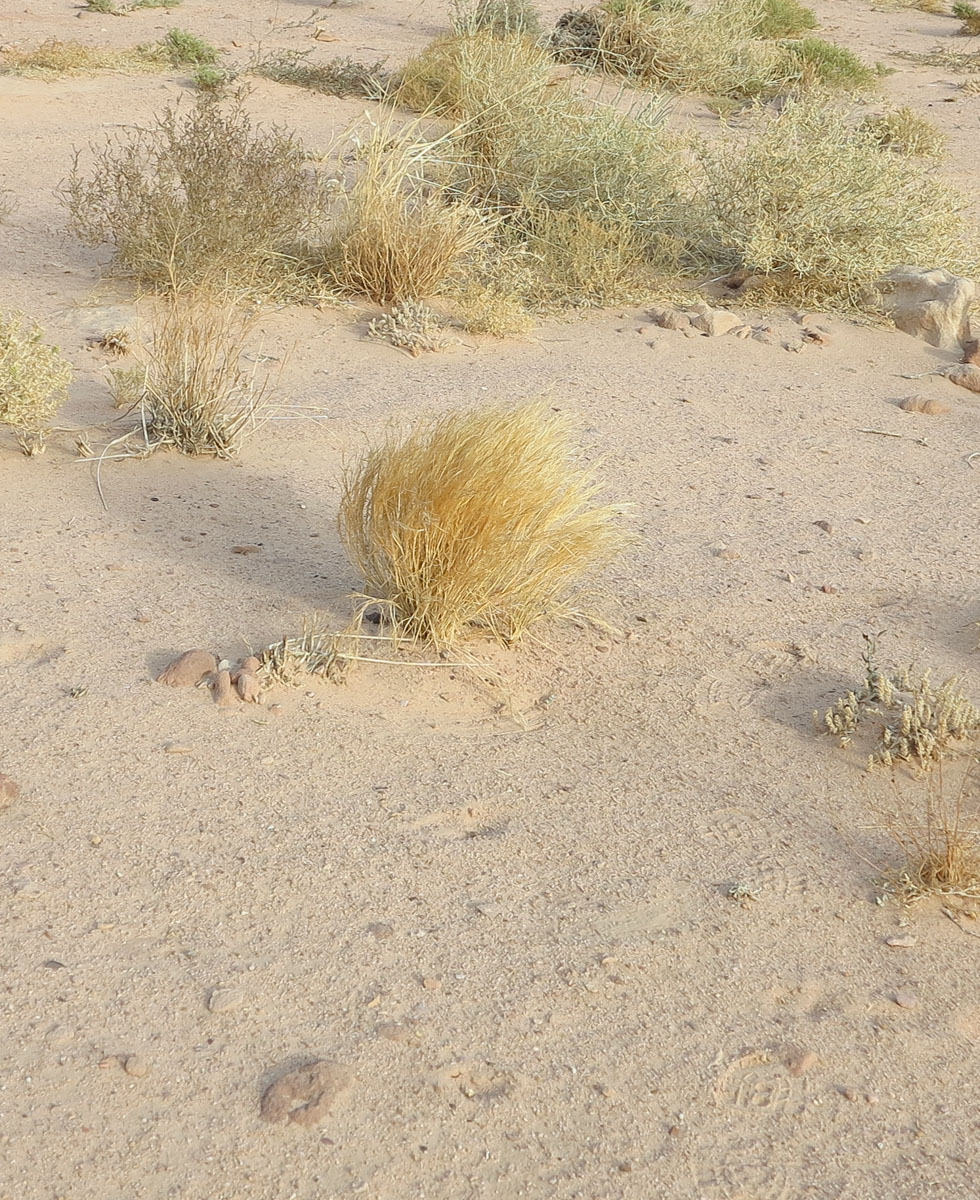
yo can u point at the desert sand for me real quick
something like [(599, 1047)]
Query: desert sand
[(503, 911)]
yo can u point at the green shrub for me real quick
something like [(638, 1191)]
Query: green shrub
[(188, 50), (816, 63), (812, 205), (337, 77), (500, 17)]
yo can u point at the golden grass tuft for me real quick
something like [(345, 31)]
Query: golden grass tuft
[(810, 204), (939, 837), (906, 132), (476, 522), (190, 392), (34, 381), (399, 236)]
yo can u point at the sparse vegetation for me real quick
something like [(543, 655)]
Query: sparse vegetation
[(55, 58), (476, 521), (812, 206), (202, 198), (34, 381), (212, 79), (410, 326), (905, 132), (823, 64), (191, 393), (913, 720), (111, 9), (337, 77)]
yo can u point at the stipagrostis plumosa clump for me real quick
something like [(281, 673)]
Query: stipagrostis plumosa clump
[(477, 522)]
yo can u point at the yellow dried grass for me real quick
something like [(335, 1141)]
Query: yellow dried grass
[(478, 521)]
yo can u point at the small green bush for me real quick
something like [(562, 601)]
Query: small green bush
[(822, 64), (337, 77), (500, 17), (34, 381), (784, 19), (188, 50)]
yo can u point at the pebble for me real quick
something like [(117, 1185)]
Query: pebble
[(802, 1061), (829, 589), (901, 939), (728, 554), (431, 984), (825, 526), (249, 548), (380, 930), (224, 999), (931, 406), (174, 748), (136, 1065), (223, 692), (905, 1000), (9, 790)]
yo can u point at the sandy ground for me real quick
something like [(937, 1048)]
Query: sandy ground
[(504, 911)]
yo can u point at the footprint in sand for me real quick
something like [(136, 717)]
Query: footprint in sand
[(759, 1081), (740, 1169)]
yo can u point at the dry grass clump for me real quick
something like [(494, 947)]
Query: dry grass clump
[(736, 48), (111, 9), (337, 77), (476, 521), (969, 14), (940, 841), (399, 236), (411, 326), (914, 721), (34, 381), (201, 198), (54, 58), (191, 393), (812, 206), (906, 132)]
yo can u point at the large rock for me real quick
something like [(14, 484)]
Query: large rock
[(931, 305)]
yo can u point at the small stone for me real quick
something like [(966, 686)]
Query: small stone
[(825, 526), (851, 1094), (798, 1062), (9, 791), (933, 305), (922, 404), (829, 589), (431, 984), (743, 332), (965, 375), (787, 576), (224, 999), (175, 748), (136, 1065), (224, 694), (142, 619), (380, 930), (250, 665), (248, 687), (189, 669), (714, 321), (305, 1096), (901, 939), (110, 1061), (669, 318), (728, 554), (905, 1000), (248, 548), (971, 351)]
